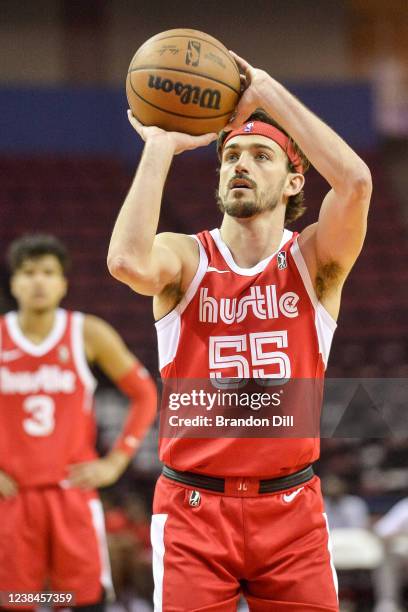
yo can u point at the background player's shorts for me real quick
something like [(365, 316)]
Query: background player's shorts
[(54, 538), (272, 547)]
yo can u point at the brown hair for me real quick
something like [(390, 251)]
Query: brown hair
[(295, 206), (32, 246)]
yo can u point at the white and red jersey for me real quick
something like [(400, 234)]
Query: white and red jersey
[(259, 322), (46, 401)]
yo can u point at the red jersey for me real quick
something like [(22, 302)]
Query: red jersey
[(260, 322), (46, 401)]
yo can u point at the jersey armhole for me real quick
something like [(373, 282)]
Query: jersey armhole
[(324, 322), (191, 289), (168, 328), (78, 351)]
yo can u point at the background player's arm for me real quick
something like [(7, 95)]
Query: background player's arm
[(105, 348), (8, 486), (137, 257), (334, 243)]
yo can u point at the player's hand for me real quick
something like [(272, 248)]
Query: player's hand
[(98, 473), (8, 487), (181, 142), (253, 85)]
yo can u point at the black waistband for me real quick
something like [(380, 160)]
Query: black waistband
[(210, 483)]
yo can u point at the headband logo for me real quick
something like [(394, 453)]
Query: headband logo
[(249, 127)]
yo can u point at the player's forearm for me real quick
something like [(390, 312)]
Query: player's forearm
[(142, 392), (326, 150), (136, 226), (118, 460)]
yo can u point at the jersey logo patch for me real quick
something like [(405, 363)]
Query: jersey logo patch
[(63, 353), (282, 262), (210, 269)]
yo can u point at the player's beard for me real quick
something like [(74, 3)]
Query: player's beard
[(248, 203)]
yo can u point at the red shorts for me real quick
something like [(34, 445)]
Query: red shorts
[(208, 548), (54, 538)]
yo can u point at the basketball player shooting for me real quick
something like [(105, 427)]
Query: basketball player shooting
[(51, 520), (240, 515)]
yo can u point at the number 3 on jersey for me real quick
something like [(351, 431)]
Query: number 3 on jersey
[(41, 409), (260, 356)]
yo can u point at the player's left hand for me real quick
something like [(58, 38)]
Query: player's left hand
[(253, 83), (98, 473)]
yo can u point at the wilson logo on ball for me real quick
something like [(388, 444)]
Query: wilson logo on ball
[(189, 94)]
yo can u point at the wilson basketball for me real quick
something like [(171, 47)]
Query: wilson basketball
[(183, 80)]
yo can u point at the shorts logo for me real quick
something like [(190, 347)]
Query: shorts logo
[(249, 127), (195, 499), (282, 263), (193, 53), (289, 497)]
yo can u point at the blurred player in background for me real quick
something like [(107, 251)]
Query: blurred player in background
[(51, 520), (241, 514), (390, 577)]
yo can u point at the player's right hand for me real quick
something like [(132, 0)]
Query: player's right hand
[(8, 487), (181, 142)]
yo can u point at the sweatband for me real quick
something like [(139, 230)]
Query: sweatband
[(259, 128)]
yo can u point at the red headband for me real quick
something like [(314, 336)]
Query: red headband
[(265, 129)]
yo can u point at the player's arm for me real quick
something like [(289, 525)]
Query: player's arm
[(106, 349), (337, 238), (8, 486), (137, 257)]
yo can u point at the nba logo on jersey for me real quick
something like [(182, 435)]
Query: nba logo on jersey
[(63, 353), (195, 499), (249, 127), (282, 263)]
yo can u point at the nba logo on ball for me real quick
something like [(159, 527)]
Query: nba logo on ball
[(193, 53), (282, 264), (195, 499)]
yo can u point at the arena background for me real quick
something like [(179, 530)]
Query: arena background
[(67, 155)]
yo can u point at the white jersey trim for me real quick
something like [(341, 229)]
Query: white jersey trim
[(324, 322), (78, 352), (36, 350), (157, 540), (168, 328), (330, 549), (98, 522), (229, 260)]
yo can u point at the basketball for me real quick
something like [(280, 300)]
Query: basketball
[(183, 80)]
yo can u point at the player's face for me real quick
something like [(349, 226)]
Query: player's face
[(252, 176), (39, 284)]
